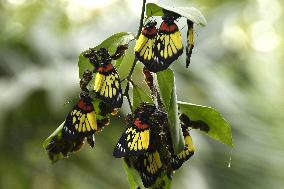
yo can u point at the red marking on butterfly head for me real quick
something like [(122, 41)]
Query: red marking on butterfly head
[(88, 107), (150, 32), (168, 27), (150, 29), (104, 69), (140, 125)]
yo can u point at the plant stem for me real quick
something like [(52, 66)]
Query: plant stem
[(141, 18), (138, 33), (128, 98), (135, 59)]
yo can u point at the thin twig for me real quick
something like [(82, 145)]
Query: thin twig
[(137, 35), (128, 98), (141, 18), (135, 59)]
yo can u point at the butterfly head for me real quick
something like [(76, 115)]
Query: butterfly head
[(151, 24), (91, 54), (141, 123), (150, 29), (145, 109), (85, 102), (104, 57), (170, 17), (144, 113)]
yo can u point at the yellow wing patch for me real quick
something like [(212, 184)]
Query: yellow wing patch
[(169, 46), (149, 167), (137, 140), (167, 49), (80, 122), (188, 151), (144, 49), (190, 42), (108, 88), (99, 79), (153, 163), (134, 141)]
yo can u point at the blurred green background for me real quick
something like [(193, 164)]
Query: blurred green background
[(237, 67)]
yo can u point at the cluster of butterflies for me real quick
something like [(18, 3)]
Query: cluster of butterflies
[(142, 143), (91, 113), (101, 95), (157, 49)]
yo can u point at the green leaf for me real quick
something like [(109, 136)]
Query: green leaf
[(191, 13), (111, 43), (133, 176), (84, 64), (163, 182), (140, 95), (125, 63), (134, 180), (219, 128), (166, 81), (56, 134)]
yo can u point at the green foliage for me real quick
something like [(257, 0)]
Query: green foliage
[(219, 128), (124, 64), (139, 96), (111, 43), (135, 182), (133, 176), (84, 64), (191, 13), (166, 89), (56, 133), (166, 81)]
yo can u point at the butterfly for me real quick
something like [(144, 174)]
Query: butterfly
[(188, 151), (190, 42), (134, 141), (149, 166), (81, 121), (168, 46), (145, 44), (107, 83)]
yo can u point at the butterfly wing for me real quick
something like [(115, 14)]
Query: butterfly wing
[(188, 151), (145, 44), (149, 166), (107, 86), (190, 42), (134, 141), (168, 47), (81, 121)]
